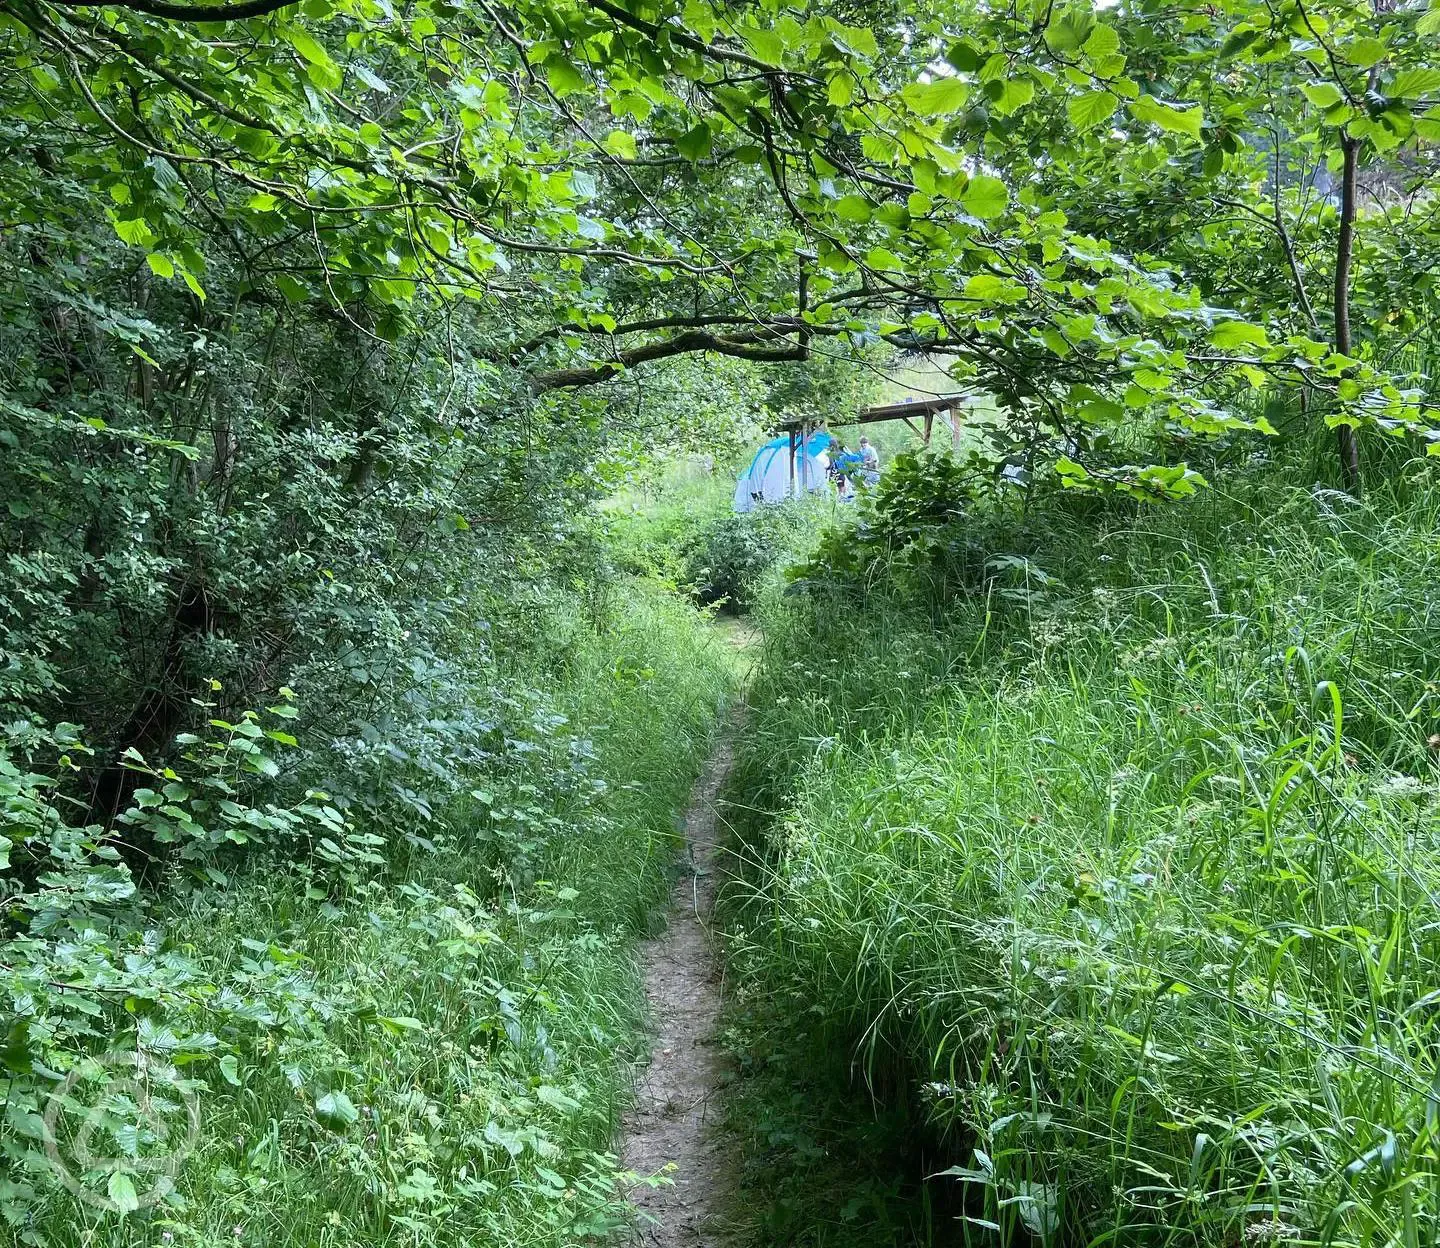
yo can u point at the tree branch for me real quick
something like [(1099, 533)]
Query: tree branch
[(681, 37), (185, 12), (632, 327), (757, 344)]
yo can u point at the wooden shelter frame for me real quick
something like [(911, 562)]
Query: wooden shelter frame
[(940, 405)]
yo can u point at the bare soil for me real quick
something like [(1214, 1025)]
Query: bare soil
[(672, 1129)]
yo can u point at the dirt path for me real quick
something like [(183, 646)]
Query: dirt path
[(671, 1122)]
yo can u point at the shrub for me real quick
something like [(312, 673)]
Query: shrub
[(730, 561)]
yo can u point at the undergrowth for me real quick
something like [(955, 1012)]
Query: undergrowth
[(1111, 877), (690, 539), (424, 1042)]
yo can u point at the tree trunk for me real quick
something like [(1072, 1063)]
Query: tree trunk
[(163, 710), (1347, 443)]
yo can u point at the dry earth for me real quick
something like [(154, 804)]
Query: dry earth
[(673, 1122)]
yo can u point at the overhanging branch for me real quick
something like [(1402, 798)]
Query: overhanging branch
[(186, 12), (764, 344)]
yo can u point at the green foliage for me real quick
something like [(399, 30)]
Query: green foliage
[(601, 171), (690, 539), (416, 1027), (733, 559), (1127, 889), (826, 385), (911, 527)]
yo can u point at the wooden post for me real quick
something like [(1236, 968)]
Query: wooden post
[(929, 424)]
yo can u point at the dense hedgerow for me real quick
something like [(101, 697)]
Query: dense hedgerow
[(689, 538)]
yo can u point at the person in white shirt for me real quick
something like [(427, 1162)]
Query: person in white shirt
[(869, 462)]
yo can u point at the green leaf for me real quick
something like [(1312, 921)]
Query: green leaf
[(1322, 94), (991, 288), (1091, 109), (695, 144), (1233, 335), (121, 1190), (621, 143), (336, 1110), (1365, 51), (1155, 112), (1410, 84), (1240, 38), (700, 18), (398, 1025), (1102, 411), (857, 41), (230, 1069), (548, 1094), (767, 44), (294, 291), (563, 77), (841, 89), (853, 208), (160, 265), (323, 71), (1103, 42), (936, 98), (883, 260), (964, 57), (1070, 31), (985, 197), (136, 232), (1014, 95), (15, 1052)]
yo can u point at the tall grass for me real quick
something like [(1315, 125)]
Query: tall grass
[(1129, 881), (441, 1051)]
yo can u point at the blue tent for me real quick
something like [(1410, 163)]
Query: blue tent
[(769, 477)]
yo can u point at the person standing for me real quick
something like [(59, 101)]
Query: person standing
[(869, 463), (844, 468)]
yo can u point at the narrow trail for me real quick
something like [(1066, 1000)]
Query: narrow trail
[(672, 1122)]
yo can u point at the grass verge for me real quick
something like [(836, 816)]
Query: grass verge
[(1115, 884), (436, 1052)]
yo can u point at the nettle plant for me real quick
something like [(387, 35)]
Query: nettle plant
[(917, 529), (89, 975), (198, 812)]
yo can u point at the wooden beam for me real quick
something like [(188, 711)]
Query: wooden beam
[(928, 408), (898, 411)]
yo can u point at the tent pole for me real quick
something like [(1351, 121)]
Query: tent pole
[(792, 462)]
